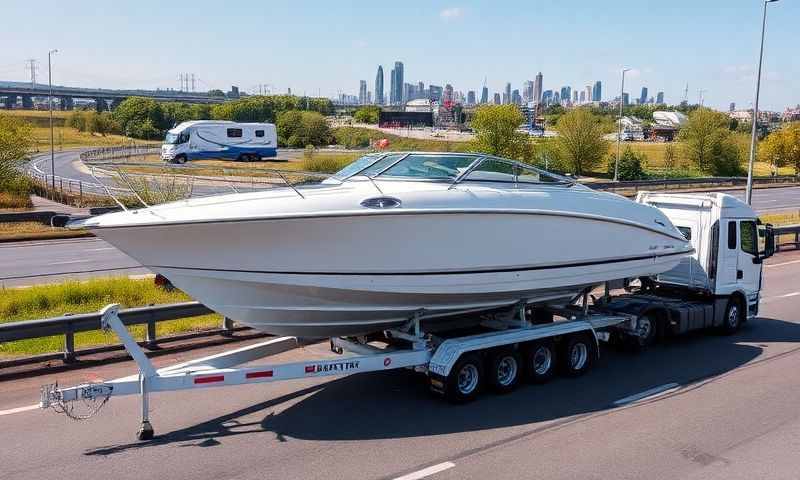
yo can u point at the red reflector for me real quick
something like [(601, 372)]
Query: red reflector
[(265, 373), (212, 379), (310, 369)]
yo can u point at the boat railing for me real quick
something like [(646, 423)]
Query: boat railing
[(130, 184)]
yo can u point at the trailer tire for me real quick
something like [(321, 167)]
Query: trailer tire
[(504, 370), (540, 360), (578, 353), (464, 381), (733, 317)]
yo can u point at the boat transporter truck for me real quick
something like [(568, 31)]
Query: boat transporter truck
[(718, 287)]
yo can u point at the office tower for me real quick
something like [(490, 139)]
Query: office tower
[(379, 86), (565, 94), (485, 94), (582, 97), (597, 92), (575, 96), (362, 92), (420, 88), (405, 93), (507, 94), (626, 99), (471, 97), (435, 93), (556, 98), (660, 98), (643, 96), (398, 82), (537, 88), (448, 93), (527, 91), (547, 97), (588, 92), (392, 87), (733, 106), (516, 99), (497, 99)]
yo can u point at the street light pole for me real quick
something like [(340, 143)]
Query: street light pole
[(619, 126), (749, 193), (50, 103)]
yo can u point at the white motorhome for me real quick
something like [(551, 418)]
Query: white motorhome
[(201, 139)]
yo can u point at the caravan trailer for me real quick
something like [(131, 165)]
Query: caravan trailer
[(201, 139)]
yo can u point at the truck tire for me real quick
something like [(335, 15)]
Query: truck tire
[(647, 329), (578, 353), (464, 381), (539, 359), (504, 370), (733, 317), (180, 159)]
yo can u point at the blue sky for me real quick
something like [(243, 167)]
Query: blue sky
[(326, 47)]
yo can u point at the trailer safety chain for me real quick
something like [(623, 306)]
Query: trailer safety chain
[(93, 396)]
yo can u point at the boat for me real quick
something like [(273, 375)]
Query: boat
[(391, 236)]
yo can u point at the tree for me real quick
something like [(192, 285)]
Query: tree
[(709, 143), (782, 147), (16, 138), (141, 118), (300, 129), (367, 114), (580, 140), (496, 132), (669, 157), (216, 93), (631, 165)]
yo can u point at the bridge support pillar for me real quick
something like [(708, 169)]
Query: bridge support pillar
[(11, 101), (115, 103), (66, 103), (100, 104), (27, 101)]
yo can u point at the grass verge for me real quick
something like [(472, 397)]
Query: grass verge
[(19, 231), (15, 201), (45, 301)]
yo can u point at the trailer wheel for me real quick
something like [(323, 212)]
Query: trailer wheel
[(733, 317), (505, 366), (578, 354), (464, 381), (540, 361)]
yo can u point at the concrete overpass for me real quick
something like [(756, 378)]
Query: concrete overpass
[(12, 91)]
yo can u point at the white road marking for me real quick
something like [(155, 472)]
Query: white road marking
[(67, 262), (12, 411), (782, 264), (653, 392), (426, 472), (100, 249)]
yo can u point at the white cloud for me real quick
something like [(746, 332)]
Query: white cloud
[(451, 13)]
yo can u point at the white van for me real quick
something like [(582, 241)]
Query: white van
[(200, 139)]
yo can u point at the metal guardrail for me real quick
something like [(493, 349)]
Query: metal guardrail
[(113, 153), (69, 325), (787, 230)]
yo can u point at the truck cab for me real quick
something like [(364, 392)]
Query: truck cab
[(730, 246)]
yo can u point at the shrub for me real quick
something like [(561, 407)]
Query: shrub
[(367, 114), (299, 129), (327, 162), (631, 165)]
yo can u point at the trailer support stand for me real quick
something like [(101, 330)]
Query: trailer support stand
[(145, 431)]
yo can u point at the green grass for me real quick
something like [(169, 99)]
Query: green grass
[(15, 201), (328, 162), (782, 218), (354, 137), (45, 301)]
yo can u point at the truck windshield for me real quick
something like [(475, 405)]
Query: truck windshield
[(176, 138)]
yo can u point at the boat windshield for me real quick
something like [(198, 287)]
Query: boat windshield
[(431, 166), (492, 169), (357, 166)]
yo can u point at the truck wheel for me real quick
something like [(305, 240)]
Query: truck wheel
[(578, 354), (180, 159), (464, 381), (504, 370), (646, 333), (733, 317), (540, 361)]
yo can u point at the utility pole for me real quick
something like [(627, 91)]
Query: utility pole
[(749, 192), (700, 98), (32, 67), (619, 127), (50, 103)]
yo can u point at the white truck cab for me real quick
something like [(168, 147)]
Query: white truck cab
[(730, 245)]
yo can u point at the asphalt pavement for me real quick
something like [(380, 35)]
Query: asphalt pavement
[(730, 410)]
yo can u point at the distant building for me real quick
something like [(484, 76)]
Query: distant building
[(435, 93), (527, 91), (660, 98), (626, 99), (362, 92), (566, 94), (234, 92), (516, 99), (497, 99), (407, 93), (392, 87), (379, 86), (732, 107), (588, 91), (471, 97), (537, 88), (547, 97), (485, 95), (582, 98), (643, 96), (556, 98), (507, 94), (575, 96), (397, 83), (597, 92)]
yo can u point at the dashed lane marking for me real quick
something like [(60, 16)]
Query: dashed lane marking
[(426, 472), (647, 394)]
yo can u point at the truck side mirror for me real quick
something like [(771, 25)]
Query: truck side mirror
[(766, 241)]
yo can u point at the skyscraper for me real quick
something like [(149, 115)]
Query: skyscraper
[(527, 91), (547, 97), (626, 99), (448, 93), (497, 98), (379, 86), (597, 92), (392, 87), (566, 94), (435, 93), (660, 98), (575, 96), (516, 99), (589, 97), (582, 97), (556, 98), (362, 92), (507, 93), (537, 88), (643, 97), (398, 83), (485, 94), (471, 97)]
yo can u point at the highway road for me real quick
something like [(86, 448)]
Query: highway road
[(735, 414)]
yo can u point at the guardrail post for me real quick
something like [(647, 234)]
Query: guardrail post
[(227, 326), (150, 339), (69, 344)]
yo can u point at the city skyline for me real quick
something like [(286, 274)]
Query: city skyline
[(593, 44)]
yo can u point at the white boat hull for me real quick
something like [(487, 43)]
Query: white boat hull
[(356, 273)]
